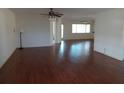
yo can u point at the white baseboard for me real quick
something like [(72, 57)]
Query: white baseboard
[(1, 65)]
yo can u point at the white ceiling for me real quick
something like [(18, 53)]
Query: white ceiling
[(69, 13)]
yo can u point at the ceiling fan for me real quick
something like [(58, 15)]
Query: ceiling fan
[(52, 13)]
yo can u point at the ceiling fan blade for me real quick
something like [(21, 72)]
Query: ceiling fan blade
[(61, 14), (52, 13), (44, 14), (58, 13)]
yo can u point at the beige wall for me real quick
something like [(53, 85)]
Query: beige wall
[(7, 34), (68, 31), (36, 30), (109, 33)]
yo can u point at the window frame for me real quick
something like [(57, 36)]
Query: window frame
[(76, 32)]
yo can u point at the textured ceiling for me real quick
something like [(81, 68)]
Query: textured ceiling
[(69, 13)]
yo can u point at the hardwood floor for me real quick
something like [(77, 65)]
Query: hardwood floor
[(68, 62)]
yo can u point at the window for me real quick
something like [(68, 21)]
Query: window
[(80, 28), (62, 30)]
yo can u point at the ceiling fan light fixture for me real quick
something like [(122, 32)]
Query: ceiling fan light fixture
[(53, 14)]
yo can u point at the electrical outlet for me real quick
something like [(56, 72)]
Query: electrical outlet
[(104, 50)]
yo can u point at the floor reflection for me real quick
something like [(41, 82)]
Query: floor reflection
[(76, 50), (87, 48), (79, 50), (61, 49)]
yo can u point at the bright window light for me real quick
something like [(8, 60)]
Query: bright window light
[(80, 28), (62, 30)]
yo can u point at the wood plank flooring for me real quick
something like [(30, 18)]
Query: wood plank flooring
[(71, 62)]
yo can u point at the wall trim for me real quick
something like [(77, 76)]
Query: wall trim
[(7, 58), (108, 55)]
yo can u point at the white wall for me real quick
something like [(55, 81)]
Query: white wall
[(7, 35), (123, 39), (36, 30), (109, 33), (68, 31), (58, 30)]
